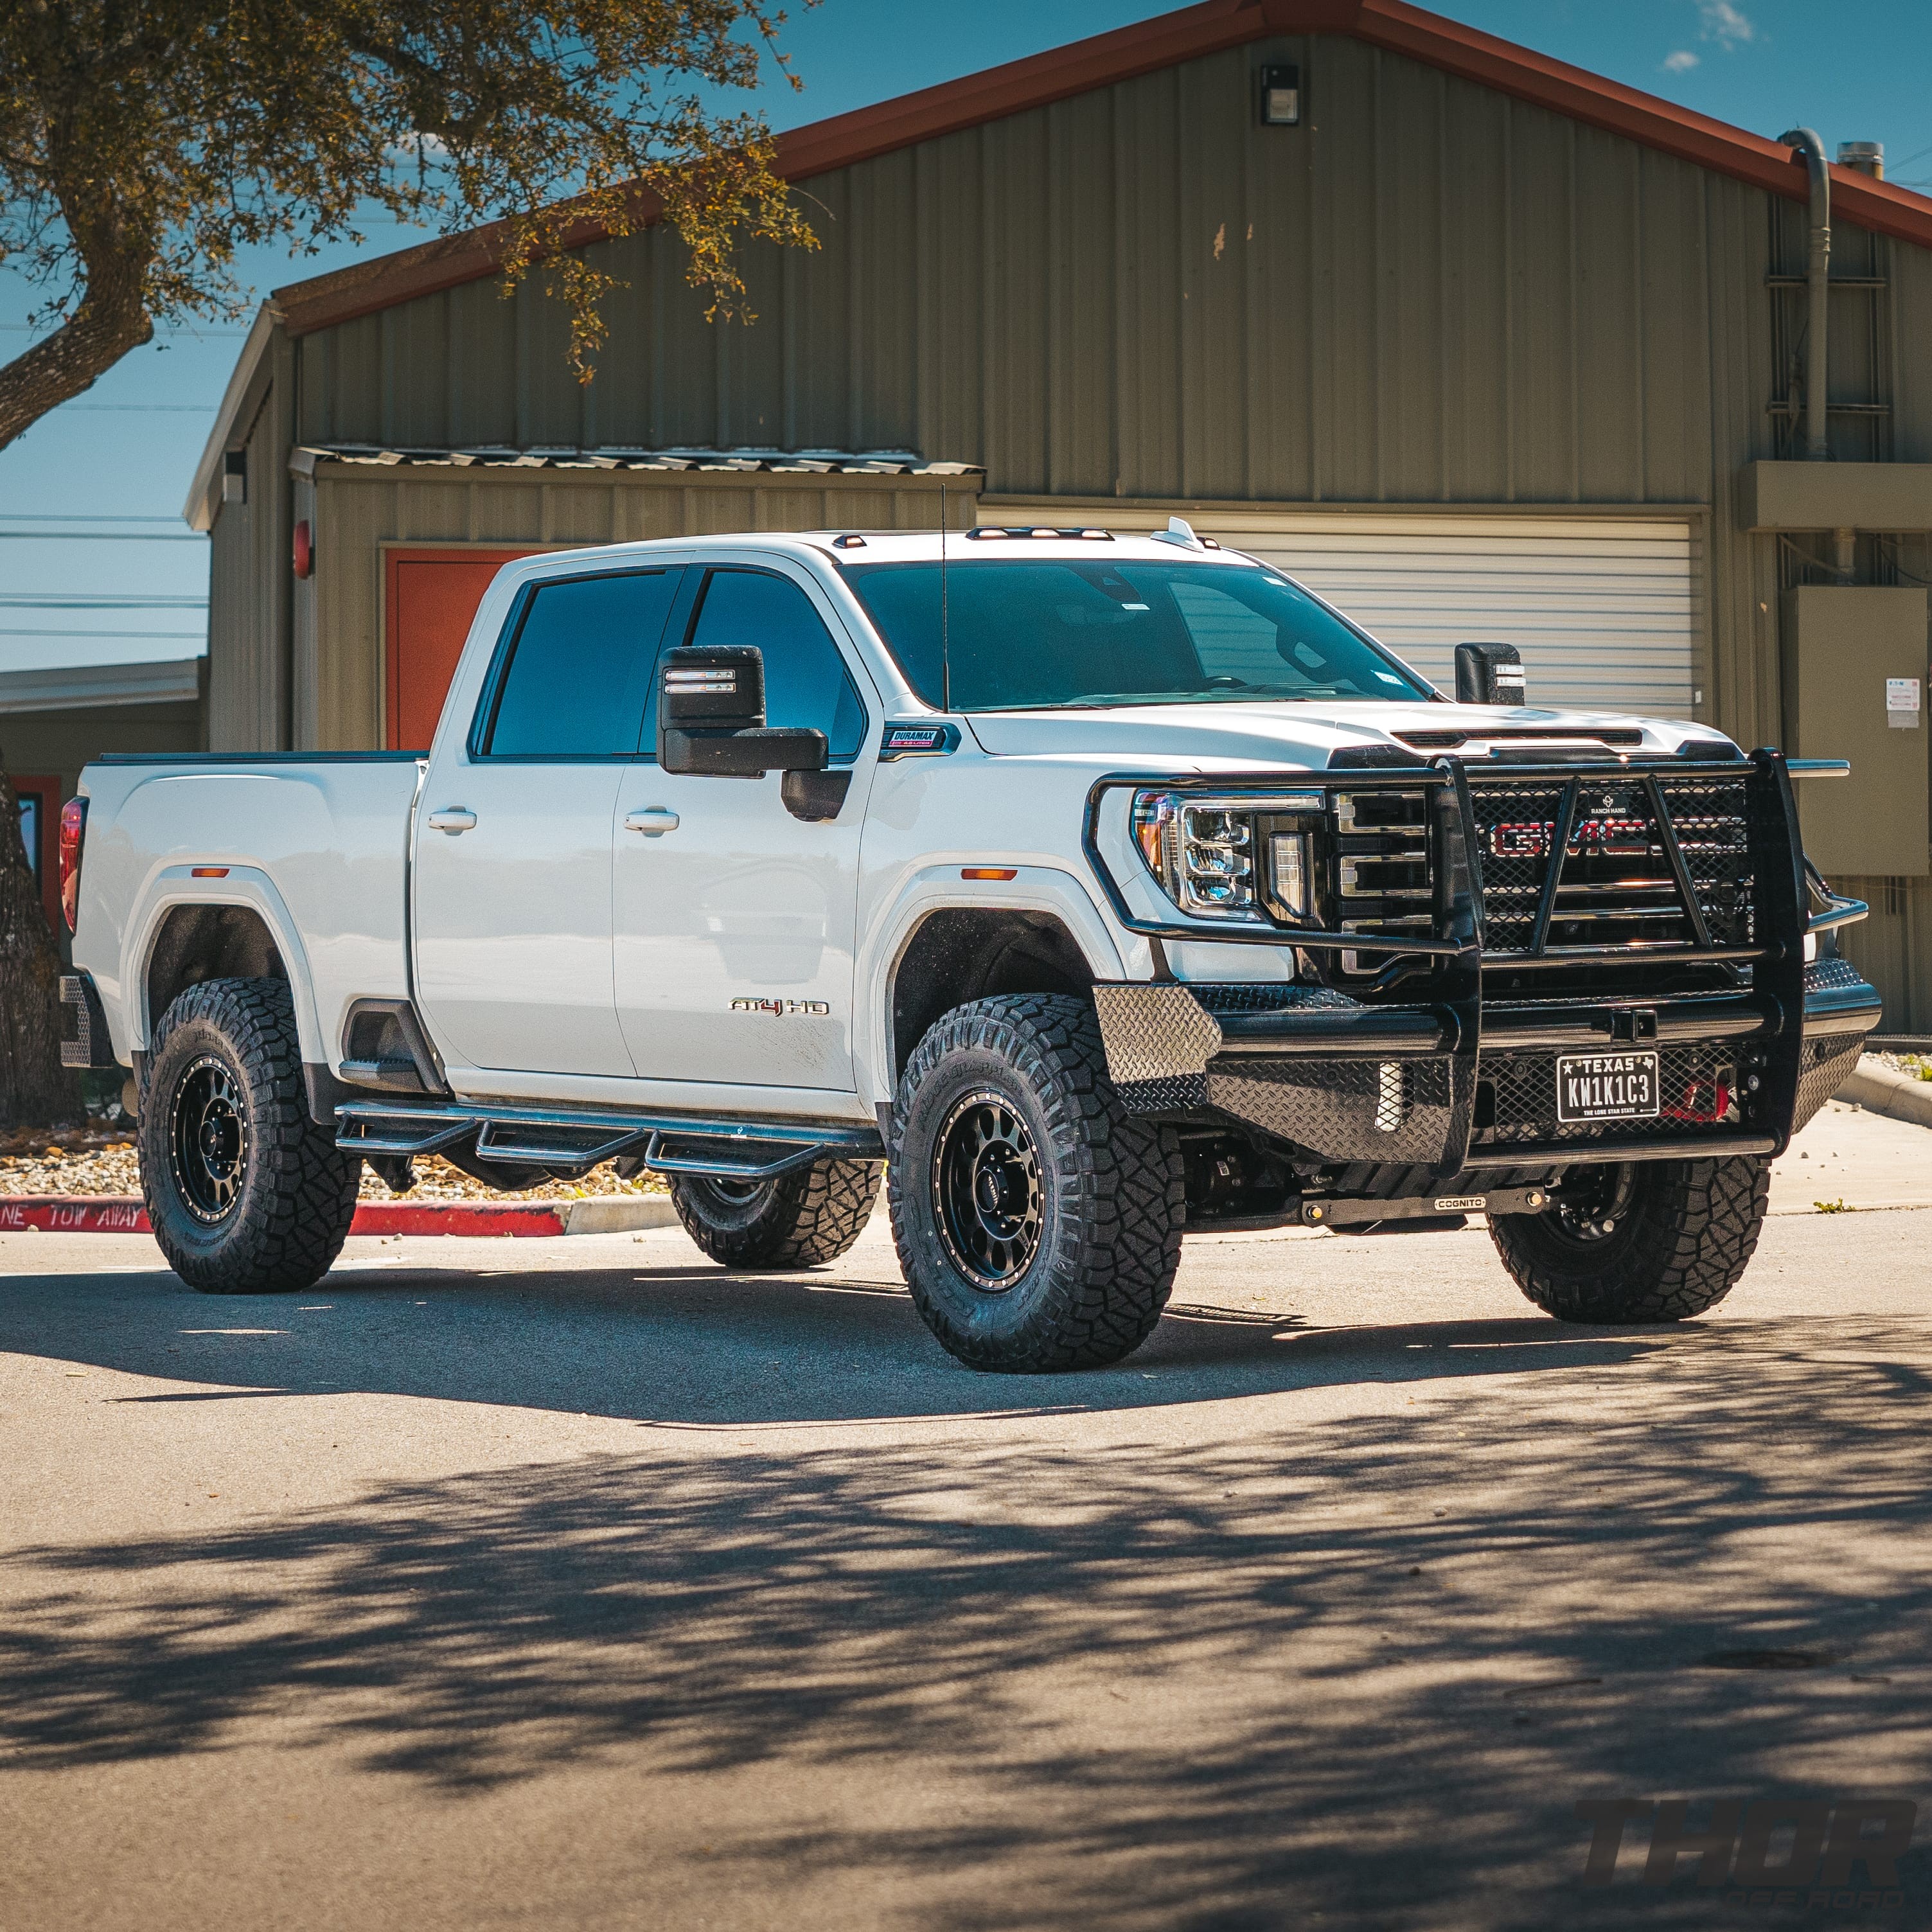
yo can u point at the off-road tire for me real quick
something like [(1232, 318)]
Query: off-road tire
[(1111, 1191), (1690, 1228), (797, 1221), (293, 1189)]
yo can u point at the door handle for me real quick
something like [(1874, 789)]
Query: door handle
[(653, 822), (453, 821)]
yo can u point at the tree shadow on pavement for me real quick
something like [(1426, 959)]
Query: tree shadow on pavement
[(693, 1345), (1142, 1686)]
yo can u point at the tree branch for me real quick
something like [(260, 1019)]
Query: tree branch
[(112, 318)]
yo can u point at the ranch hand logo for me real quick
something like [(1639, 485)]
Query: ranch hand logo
[(778, 1008), (1622, 837)]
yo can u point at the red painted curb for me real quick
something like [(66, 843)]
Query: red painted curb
[(105, 1214), (406, 1217)]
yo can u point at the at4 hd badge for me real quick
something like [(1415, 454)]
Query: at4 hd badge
[(780, 1009)]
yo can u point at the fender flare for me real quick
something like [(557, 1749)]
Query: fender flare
[(171, 887), (1051, 890)]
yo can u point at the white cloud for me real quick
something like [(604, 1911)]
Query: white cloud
[(1725, 23), (1681, 62)]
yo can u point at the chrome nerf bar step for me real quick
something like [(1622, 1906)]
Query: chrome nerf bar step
[(575, 1141)]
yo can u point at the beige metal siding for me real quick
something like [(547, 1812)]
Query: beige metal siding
[(1429, 293), (1607, 611), (249, 690)]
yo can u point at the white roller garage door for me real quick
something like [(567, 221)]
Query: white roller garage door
[(1605, 610)]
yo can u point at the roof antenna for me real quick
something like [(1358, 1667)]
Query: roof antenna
[(945, 613)]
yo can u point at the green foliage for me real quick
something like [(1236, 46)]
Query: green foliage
[(143, 142)]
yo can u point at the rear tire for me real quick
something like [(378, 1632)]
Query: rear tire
[(245, 1193), (1038, 1222), (800, 1220), (1648, 1241)]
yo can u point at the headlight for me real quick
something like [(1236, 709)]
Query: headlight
[(1226, 858)]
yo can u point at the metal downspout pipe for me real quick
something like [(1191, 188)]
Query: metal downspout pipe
[(1817, 283)]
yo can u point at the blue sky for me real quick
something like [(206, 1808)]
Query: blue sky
[(113, 466)]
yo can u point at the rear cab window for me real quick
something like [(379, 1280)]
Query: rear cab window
[(574, 678)]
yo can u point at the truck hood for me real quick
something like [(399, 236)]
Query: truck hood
[(1302, 735)]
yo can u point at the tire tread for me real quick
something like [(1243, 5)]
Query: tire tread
[(301, 1196), (1699, 1229), (1123, 1191)]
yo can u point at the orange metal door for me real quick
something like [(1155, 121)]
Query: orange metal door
[(430, 597)]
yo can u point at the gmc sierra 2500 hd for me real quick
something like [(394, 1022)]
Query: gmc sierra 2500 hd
[(1098, 887)]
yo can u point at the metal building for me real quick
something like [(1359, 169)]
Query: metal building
[(1477, 343)]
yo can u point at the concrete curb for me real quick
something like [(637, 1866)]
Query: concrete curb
[(1878, 1089), (600, 1214)]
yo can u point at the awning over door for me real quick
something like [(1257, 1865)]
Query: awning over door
[(1606, 610)]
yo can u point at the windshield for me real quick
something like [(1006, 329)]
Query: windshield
[(1037, 634)]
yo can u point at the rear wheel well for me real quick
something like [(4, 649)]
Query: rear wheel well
[(208, 942), (968, 953)]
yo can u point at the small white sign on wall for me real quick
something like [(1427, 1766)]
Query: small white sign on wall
[(1903, 698)]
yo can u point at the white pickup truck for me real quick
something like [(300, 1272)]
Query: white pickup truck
[(1097, 888)]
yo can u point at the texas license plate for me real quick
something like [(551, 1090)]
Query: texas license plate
[(1606, 1086)]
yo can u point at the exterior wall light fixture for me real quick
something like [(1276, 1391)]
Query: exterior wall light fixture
[(1281, 97)]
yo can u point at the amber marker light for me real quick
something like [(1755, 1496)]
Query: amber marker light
[(209, 872), (989, 871)]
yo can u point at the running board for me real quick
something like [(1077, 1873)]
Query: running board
[(576, 1142)]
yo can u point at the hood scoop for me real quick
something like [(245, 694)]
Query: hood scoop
[(1455, 738)]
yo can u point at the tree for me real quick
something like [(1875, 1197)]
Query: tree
[(143, 142), (35, 1090)]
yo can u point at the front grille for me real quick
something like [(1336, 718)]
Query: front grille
[(1618, 887), (1702, 1089)]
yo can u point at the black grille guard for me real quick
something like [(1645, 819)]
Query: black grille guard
[(1775, 838), (1784, 892)]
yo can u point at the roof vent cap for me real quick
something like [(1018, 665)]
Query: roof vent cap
[(1867, 157)]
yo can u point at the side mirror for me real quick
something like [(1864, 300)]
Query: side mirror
[(1489, 674), (711, 718)]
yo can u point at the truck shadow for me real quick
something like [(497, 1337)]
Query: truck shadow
[(694, 1346), (1363, 1669)]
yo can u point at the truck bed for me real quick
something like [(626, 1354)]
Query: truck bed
[(316, 844)]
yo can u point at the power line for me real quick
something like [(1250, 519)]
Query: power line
[(27, 328), (168, 409), (104, 536), (76, 516)]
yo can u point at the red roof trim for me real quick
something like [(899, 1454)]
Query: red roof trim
[(1106, 59)]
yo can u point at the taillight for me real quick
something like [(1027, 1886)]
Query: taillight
[(73, 823)]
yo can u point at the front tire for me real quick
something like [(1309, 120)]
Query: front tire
[(1649, 1241), (800, 1220), (245, 1193), (1038, 1222)]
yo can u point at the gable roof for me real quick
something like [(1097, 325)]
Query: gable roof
[(1129, 52)]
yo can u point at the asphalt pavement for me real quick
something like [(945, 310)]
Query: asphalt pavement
[(572, 1583)]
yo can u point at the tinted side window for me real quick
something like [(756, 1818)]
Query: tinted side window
[(580, 666), (806, 683)]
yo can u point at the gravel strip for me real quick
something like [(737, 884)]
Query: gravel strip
[(62, 1161)]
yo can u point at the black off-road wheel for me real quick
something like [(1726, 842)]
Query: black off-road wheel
[(800, 1220), (1656, 1241), (245, 1193), (1038, 1222)]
